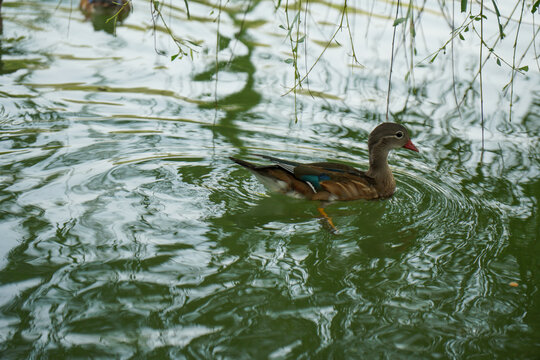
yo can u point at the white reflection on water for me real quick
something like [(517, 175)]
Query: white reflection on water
[(127, 231)]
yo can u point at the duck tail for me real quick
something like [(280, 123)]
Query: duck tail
[(243, 163), (278, 160)]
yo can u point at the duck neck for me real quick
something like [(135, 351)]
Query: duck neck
[(380, 172), (378, 163)]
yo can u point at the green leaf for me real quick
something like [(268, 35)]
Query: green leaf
[(463, 5), (289, 61), (498, 61), (192, 42), (174, 57), (498, 13), (187, 8), (461, 36), (524, 68), (433, 58), (301, 40), (296, 17), (496, 8), (399, 21), (535, 6), (479, 17), (156, 4), (413, 30)]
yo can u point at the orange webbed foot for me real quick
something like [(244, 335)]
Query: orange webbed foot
[(328, 220)]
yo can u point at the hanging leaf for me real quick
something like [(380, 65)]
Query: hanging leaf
[(399, 21), (498, 61), (463, 5), (496, 8), (413, 30), (296, 18), (497, 12), (535, 6), (461, 36), (524, 68), (187, 9)]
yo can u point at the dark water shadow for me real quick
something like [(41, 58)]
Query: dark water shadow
[(239, 104)]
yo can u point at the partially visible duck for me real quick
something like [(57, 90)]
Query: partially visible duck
[(100, 11), (333, 181)]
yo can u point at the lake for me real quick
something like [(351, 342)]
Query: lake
[(128, 233)]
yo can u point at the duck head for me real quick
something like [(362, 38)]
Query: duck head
[(387, 136)]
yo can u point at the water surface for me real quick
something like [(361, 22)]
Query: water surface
[(127, 232)]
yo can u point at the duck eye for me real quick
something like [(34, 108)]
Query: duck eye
[(399, 134)]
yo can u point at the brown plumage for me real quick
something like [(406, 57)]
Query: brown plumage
[(105, 8), (334, 181)]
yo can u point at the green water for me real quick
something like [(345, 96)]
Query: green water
[(127, 233)]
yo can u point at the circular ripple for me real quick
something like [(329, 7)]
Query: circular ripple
[(433, 204)]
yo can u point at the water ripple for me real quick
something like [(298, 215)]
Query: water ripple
[(127, 233)]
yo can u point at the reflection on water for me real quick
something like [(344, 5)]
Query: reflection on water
[(126, 231)]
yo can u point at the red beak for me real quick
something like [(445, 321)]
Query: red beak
[(409, 145)]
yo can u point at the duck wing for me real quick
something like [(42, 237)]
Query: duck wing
[(334, 181), (317, 181)]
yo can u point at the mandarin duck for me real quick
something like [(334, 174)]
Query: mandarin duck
[(100, 11), (329, 181)]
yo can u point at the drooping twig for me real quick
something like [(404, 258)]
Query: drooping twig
[(514, 62), (480, 71), (391, 63)]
